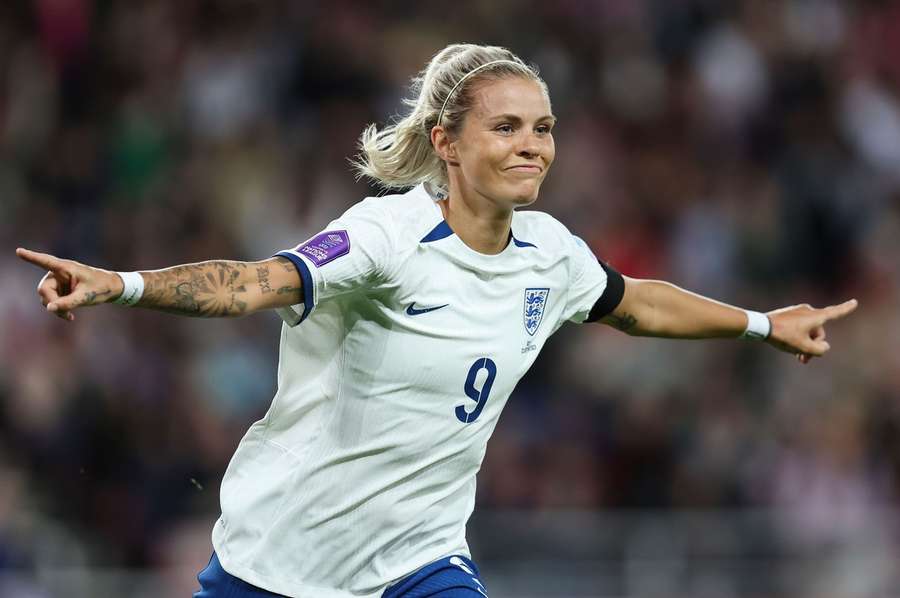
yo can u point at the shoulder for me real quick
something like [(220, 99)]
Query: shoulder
[(555, 242), (544, 231), (399, 219), (401, 209)]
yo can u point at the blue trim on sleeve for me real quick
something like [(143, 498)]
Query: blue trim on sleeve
[(439, 232), (305, 277)]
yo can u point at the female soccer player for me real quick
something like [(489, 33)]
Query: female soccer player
[(408, 322)]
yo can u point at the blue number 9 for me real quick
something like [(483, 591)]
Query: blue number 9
[(479, 396)]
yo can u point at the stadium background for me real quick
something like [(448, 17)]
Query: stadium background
[(749, 151)]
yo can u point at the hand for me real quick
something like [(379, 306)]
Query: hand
[(800, 329), (68, 285)]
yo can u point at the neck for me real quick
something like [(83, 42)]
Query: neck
[(477, 222)]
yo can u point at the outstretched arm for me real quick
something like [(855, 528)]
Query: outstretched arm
[(661, 309), (222, 288), (217, 288)]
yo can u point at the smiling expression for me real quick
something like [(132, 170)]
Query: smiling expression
[(505, 146)]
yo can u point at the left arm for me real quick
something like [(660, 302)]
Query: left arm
[(661, 309)]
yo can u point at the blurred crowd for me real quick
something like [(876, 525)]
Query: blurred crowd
[(748, 151)]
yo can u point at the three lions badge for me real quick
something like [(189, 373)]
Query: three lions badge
[(535, 301)]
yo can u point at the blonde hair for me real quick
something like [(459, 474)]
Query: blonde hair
[(401, 155)]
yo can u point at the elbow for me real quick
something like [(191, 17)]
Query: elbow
[(643, 316)]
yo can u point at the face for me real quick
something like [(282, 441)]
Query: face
[(505, 146)]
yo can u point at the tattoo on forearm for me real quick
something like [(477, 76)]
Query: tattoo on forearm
[(289, 266), (262, 274), (207, 289), (624, 323)]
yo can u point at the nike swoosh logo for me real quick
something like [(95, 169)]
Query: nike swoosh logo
[(412, 311)]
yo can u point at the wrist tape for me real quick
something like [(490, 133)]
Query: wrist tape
[(758, 326), (133, 288)]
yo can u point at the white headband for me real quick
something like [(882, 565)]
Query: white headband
[(466, 76)]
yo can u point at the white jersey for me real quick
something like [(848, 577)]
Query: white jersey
[(408, 345)]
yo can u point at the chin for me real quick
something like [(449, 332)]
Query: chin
[(524, 200), (512, 195), (526, 196)]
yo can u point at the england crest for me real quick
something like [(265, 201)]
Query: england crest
[(535, 300)]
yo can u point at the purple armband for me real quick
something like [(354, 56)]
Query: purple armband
[(325, 247)]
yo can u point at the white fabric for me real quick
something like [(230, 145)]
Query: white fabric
[(132, 288), (758, 326), (363, 469)]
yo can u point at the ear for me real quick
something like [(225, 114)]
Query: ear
[(443, 145)]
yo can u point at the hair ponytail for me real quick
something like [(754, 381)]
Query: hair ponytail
[(401, 155)]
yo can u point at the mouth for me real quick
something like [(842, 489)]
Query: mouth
[(526, 168)]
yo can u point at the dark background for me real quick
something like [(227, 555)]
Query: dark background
[(749, 151)]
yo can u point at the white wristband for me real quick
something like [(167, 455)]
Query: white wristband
[(133, 288), (758, 326)]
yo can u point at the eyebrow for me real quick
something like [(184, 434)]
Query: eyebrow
[(518, 120)]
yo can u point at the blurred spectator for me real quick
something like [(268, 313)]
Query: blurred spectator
[(746, 150)]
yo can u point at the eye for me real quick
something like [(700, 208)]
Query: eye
[(506, 129), (543, 129)]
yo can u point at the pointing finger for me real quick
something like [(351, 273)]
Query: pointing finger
[(44, 260), (835, 312)]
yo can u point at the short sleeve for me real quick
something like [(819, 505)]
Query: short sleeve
[(352, 253), (595, 288)]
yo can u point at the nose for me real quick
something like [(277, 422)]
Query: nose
[(529, 146)]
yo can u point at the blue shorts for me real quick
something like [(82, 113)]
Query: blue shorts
[(452, 577), (216, 582)]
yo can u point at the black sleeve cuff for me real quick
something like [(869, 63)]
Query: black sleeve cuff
[(612, 294)]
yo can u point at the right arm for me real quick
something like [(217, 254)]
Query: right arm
[(216, 288), (221, 288)]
